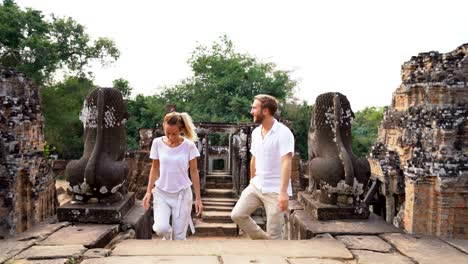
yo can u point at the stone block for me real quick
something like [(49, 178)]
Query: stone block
[(371, 257), (88, 235), (154, 259), (325, 212), (306, 226), (372, 243), (96, 212), (52, 252), (97, 253), (324, 247), (426, 249), (140, 220)]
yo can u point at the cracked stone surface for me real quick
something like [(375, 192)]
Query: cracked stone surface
[(426, 249), (11, 248), (319, 248), (52, 252), (320, 261), (43, 261), (372, 243), (41, 231), (461, 244), (253, 259), (97, 253), (88, 235), (371, 257), (154, 259)]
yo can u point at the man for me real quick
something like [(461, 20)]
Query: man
[(272, 149)]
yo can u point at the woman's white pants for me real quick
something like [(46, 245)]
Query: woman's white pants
[(179, 205)]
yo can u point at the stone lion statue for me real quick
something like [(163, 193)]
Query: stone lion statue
[(101, 171), (336, 175)]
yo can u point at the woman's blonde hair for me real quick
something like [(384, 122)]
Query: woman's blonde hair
[(184, 122)]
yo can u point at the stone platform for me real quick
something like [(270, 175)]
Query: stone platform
[(324, 212), (127, 214), (303, 225), (96, 212), (63, 243)]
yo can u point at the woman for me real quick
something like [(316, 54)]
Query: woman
[(172, 155)]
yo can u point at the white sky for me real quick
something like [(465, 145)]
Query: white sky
[(353, 47)]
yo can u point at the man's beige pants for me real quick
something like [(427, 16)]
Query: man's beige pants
[(251, 199)]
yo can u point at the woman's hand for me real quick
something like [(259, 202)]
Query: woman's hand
[(198, 207), (146, 201)]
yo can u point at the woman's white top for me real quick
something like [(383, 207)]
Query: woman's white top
[(173, 164)]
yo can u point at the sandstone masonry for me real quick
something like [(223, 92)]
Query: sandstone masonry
[(27, 186)]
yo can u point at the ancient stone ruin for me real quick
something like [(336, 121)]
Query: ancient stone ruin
[(27, 186), (421, 151)]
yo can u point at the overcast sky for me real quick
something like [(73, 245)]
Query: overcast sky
[(353, 47)]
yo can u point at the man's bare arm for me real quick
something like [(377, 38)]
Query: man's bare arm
[(283, 198), (252, 167)]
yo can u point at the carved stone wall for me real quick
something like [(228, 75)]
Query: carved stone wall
[(27, 185), (422, 146)]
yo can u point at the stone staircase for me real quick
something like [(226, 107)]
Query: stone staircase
[(218, 201)]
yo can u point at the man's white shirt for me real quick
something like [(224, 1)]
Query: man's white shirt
[(268, 151)]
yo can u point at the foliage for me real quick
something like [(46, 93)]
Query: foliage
[(145, 112), (124, 87), (48, 150), (365, 128), (300, 115), (61, 105), (224, 84), (39, 47)]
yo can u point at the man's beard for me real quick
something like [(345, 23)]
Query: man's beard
[(259, 118)]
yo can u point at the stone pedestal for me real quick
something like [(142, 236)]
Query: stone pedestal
[(96, 212), (128, 213), (323, 212)]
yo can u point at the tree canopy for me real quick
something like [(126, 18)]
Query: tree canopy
[(224, 83), (38, 47), (364, 129), (222, 87)]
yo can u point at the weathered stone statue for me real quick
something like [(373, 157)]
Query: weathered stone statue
[(337, 176), (100, 172)]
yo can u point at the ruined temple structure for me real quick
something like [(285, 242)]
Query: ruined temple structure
[(27, 186), (421, 151)]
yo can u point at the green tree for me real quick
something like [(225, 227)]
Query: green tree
[(38, 46), (300, 115), (365, 128), (145, 112), (124, 87), (224, 83), (61, 105)]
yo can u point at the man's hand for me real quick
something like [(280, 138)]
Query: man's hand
[(283, 201), (146, 201)]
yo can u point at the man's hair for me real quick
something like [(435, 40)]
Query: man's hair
[(269, 102)]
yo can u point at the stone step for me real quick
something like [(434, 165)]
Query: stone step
[(215, 229), (218, 208), (215, 199), (216, 217), (211, 203), (219, 173), (219, 185), (218, 178), (219, 193)]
